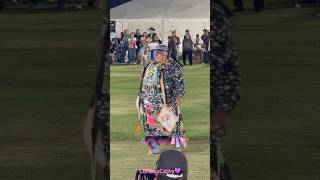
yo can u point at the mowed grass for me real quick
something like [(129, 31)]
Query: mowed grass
[(274, 130), (127, 153), (47, 73)]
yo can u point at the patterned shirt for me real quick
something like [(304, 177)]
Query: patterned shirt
[(173, 81), (225, 83)]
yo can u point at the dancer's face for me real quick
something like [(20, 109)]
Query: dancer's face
[(161, 57)]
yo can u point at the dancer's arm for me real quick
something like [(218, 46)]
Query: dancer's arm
[(179, 83)]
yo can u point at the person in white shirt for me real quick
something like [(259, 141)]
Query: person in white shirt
[(198, 43), (132, 48)]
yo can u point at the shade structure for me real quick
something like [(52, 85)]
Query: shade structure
[(163, 15)]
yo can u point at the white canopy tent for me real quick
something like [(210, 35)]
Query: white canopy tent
[(163, 15)]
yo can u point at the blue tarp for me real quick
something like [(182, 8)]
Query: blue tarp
[(115, 3)]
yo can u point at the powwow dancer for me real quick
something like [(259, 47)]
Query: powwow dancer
[(225, 85), (161, 93)]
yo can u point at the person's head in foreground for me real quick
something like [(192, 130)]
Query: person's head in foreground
[(174, 160), (161, 53)]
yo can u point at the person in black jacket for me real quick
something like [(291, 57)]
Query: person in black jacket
[(187, 47), (173, 44), (155, 38), (206, 40), (238, 4)]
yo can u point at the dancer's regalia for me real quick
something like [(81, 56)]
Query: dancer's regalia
[(160, 84), (147, 54), (225, 82)]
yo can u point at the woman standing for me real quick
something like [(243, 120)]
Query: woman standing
[(161, 88), (132, 48)]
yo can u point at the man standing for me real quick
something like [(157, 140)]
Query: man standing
[(198, 48), (138, 37), (125, 40), (238, 4), (173, 45), (206, 40), (257, 4), (187, 33), (152, 31), (187, 46), (1, 5)]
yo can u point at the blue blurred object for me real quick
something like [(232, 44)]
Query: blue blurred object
[(154, 147), (177, 142), (115, 3), (152, 56)]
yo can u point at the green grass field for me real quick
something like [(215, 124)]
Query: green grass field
[(47, 76), (274, 130)]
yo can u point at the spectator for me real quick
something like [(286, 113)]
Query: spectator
[(173, 45), (138, 36), (120, 53), (144, 36), (113, 44), (132, 48), (125, 39), (114, 36), (198, 43), (187, 46), (145, 52), (206, 39), (152, 31), (187, 33), (238, 4), (141, 53), (121, 36), (257, 4), (156, 39), (2, 5)]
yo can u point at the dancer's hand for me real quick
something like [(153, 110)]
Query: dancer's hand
[(137, 103), (178, 100), (221, 122)]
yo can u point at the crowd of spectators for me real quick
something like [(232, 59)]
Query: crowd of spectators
[(129, 47)]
